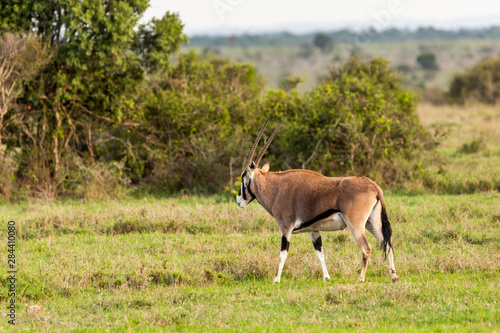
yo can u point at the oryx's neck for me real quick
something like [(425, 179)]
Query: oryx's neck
[(265, 186)]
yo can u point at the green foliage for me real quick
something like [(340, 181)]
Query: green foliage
[(427, 60), (200, 113), (88, 88), (358, 121), (480, 83), (157, 40), (98, 181)]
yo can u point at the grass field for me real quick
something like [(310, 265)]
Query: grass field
[(470, 155), (201, 263), (197, 263)]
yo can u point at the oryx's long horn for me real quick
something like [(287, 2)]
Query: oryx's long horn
[(252, 152), (267, 144)]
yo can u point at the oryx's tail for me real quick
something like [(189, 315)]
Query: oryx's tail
[(386, 230)]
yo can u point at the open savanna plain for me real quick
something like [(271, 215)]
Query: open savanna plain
[(195, 263), (309, 63)]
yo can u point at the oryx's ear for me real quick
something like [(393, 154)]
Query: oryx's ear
[(266, 166), (251, 167)]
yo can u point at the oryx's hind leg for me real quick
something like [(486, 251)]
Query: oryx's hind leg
[(374, 225), (356, 221), (318, 248)]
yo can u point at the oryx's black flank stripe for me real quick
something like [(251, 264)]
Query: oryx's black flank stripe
[(318, 218), (285, 245), (318, 244)]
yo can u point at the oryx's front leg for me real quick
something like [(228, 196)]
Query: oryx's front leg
[(318, 248), (285, 245)]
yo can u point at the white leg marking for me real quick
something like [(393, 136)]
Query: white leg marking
[(320, 254), (283, 255), (321, 257)]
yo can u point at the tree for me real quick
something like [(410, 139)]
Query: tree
[(324, 42), (427, 60), (99, 61)]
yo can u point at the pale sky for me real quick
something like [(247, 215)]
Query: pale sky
[(240, 16)]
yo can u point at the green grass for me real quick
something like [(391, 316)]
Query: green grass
[(470, 155), (198, 263)]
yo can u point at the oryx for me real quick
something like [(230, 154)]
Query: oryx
[(306, 201)]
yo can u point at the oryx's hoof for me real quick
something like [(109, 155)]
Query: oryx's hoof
[(276, 280), (326, 278), (395, 279)]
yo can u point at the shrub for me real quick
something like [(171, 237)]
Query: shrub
[(479, 83), (98, 181), (405, 68), (427, 60), (472, 147), (358, 121), (195, 120)]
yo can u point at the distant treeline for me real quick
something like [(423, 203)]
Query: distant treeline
[(345, 36)]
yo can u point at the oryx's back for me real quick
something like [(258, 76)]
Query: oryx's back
[(311, 193)]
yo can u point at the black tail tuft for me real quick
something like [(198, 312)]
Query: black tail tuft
[(386, 231)]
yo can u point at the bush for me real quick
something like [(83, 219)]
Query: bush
[(98, 181), (195, 121), (472, 147), (480, 83), (427, 60), (358, 121)]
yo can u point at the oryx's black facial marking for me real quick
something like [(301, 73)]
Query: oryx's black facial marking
[(244, 192), (244, 189), (285, 244), (318, 244), (318, 218), (250, 190), (243, 175)]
